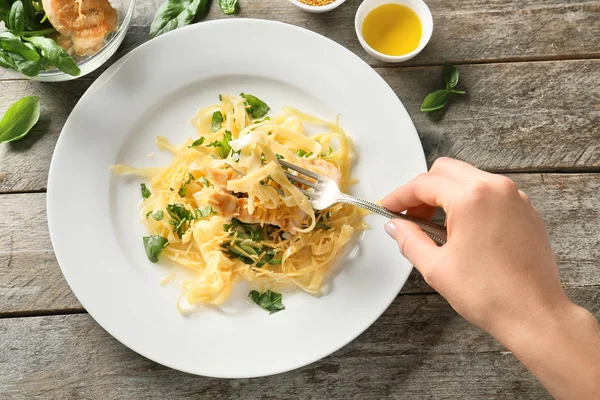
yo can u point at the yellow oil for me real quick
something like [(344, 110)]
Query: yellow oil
[(392, 29)]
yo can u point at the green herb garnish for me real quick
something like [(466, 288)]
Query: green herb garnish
[(181, 218), (19, 119), (204, 212), (247, 245), (173, 14), (256, 107), (439, 98), (154, 245), (269, 300), (217, 119), (145, 191), (302, 153), (197, 142), (157, 215), (223, 145), (205, 182)]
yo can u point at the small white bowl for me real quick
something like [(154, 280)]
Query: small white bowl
[(418, 6), (317, 9)]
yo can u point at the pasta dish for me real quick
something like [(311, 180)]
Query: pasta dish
[(225, 209)]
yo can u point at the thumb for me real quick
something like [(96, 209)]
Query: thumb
[(414, 244)]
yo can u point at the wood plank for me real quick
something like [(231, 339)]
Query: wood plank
[(419, 348), (515, 117), (523, 116), (31, 280), (24, 164), (465, 31)]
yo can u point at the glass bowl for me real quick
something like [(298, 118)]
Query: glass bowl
[(88, 64)]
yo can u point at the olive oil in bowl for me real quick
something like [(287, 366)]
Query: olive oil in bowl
[(392, 29)]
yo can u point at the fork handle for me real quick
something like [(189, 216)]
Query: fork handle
[(437, 232)]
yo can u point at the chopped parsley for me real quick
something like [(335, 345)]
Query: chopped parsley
[(145, 192), (246, 244), (181, 217), (269, 300)]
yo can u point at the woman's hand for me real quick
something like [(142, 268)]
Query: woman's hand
[(497, 269)]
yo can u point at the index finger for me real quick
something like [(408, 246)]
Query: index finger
[(427, 188)]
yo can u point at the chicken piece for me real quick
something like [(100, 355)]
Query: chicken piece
[(322, 167), (220, 176), (85, 24), (229, 206)]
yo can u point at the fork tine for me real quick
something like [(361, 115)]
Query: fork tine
[(308, 193), (302, 181), (301, 170)]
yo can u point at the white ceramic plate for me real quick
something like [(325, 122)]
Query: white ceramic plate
[(155, 90)]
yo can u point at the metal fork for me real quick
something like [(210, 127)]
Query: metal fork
[(325, 192)]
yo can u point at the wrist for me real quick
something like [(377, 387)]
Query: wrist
[(542, 321)]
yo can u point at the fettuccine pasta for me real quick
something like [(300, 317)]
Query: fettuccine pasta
[(225, 209)]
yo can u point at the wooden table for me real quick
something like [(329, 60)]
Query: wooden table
[(532, 72)]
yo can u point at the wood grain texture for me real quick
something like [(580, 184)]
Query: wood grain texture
[(24, 164), (31, 280), (420, 348), (515, 117), (518, 116), (466, 31)]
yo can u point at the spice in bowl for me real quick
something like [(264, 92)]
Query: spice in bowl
[(316, 3)]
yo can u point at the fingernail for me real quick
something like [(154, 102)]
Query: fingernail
[(390, 229)]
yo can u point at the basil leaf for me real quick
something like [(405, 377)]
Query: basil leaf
[(223, 145), (450, 76), (55, 55), (6, 61), (269, 300), (154, 245), (197, 142), (19, 119), (31, 68), (217, 119), (183, 190), (13, 44), (145, 192), (228, 6), (435, 101), (173, 14), (279, 156), (258, 108), (157, 215), (16, 18), (4, 9)]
